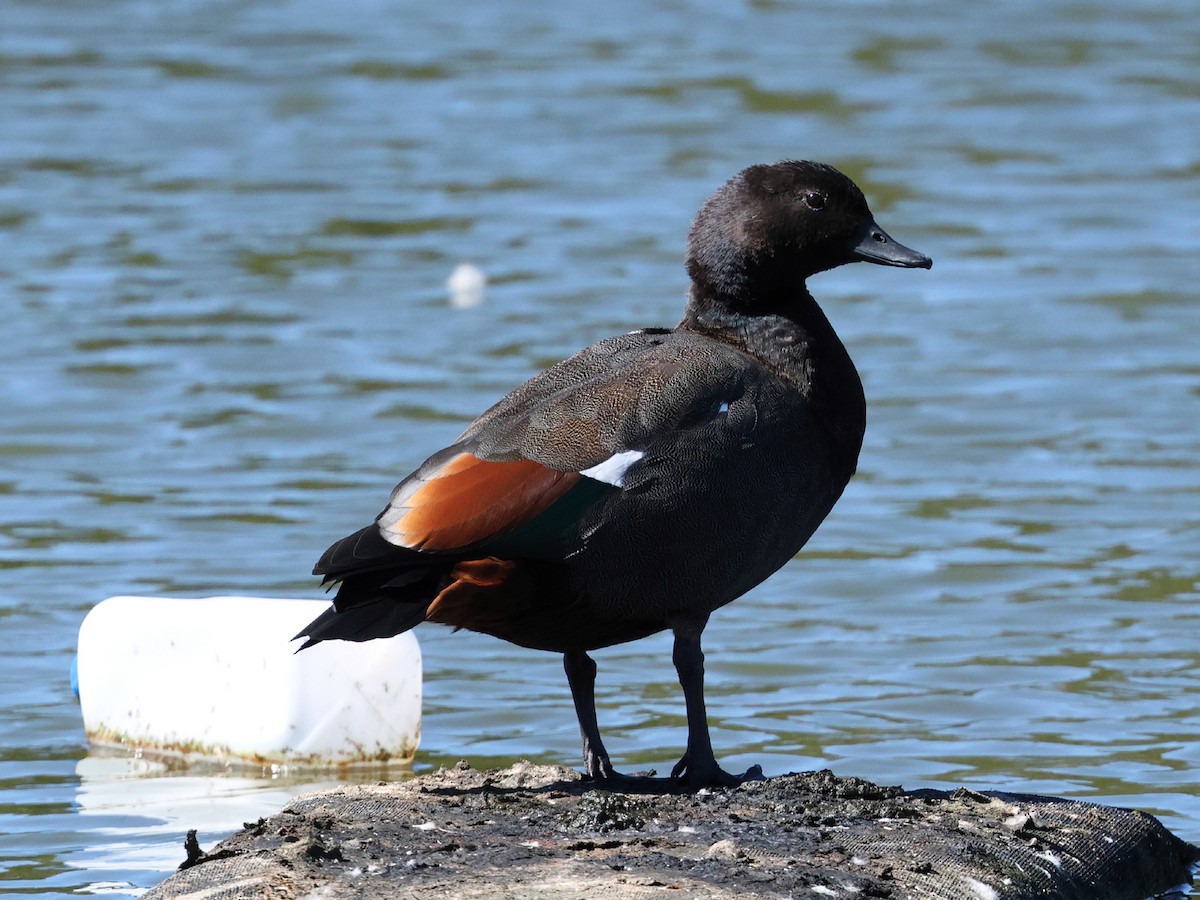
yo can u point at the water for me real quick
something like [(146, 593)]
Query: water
[(225, 231)]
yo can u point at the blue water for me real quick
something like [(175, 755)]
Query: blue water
[(225, 231)]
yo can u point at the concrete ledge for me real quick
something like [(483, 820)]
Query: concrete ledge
[(541, 831)]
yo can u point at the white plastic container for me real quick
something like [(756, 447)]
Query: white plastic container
[(219, 679)]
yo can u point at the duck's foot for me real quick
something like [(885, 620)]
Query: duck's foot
[(707, 773), (683, 778), (635, 782)]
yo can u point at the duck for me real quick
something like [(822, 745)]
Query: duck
[(651, 478)]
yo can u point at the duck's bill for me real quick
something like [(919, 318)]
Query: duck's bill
[(877, 246)]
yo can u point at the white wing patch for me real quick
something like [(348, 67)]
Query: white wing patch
[(612, 470)]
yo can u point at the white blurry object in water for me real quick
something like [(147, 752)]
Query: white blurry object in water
[(466, 284), (220, 679)]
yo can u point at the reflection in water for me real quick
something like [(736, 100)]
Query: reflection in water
[(134, 811), (227, 232)]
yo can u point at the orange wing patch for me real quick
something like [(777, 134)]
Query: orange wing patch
[(470, 600), (528, 603), (470, 499)]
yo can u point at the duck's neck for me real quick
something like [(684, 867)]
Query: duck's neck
[(791, 337)]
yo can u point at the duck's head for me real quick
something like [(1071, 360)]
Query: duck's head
[(770, 227)]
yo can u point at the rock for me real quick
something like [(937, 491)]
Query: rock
[(543, 831)]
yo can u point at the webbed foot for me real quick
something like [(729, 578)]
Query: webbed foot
[(708, 774)]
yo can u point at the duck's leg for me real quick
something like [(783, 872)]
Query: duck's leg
[(698, 768), (581, 676)]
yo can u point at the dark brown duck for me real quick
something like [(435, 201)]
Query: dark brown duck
[(650, 478)]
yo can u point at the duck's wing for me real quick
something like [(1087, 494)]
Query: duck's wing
[(527, 469), (485, 522)]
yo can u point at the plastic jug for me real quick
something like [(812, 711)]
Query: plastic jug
[(218, 679)]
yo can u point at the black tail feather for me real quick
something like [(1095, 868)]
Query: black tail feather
[(383, 589), (380, 617), (364, 551)]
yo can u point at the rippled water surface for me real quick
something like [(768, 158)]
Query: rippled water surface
[(225, 230)]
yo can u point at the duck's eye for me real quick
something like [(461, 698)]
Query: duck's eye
[(814, 199)]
